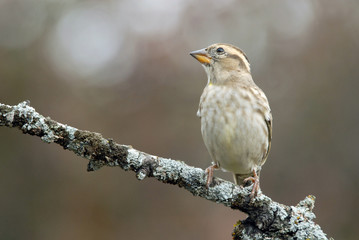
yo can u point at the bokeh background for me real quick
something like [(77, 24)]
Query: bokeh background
[(122, 68)]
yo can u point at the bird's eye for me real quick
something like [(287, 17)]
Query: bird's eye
[(220, 50)]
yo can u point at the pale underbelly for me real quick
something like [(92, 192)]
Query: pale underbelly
[(237, 142)]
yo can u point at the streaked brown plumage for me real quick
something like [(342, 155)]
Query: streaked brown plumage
[(236, 120)]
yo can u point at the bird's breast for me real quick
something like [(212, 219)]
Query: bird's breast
[(233, 129)]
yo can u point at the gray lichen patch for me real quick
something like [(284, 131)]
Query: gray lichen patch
[(98, 150), (293, 222), (86, 144), (6, 115), (28, 120)]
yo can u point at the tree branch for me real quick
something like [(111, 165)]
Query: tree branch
[(266, 218)]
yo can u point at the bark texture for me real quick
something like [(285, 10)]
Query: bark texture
[(267, 219)]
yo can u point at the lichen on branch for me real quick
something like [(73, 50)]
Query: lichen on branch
[(267, 219)]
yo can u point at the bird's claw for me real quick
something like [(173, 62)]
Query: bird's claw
[(255, 181), (209, 173)]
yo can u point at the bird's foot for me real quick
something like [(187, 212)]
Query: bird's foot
[(209, 173), (255, 181)]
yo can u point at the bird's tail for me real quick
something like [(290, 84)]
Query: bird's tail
[(239, 178)]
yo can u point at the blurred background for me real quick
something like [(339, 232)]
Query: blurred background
[(122, 68)]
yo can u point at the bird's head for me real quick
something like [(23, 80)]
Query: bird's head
[(222, 62)]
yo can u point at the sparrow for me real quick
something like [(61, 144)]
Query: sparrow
[(236, 120)]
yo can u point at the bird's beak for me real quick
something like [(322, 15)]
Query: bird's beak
[(201, 55)]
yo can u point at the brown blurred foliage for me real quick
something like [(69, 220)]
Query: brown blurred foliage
[(122, 68)]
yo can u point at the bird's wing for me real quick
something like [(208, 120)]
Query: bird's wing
[(199, 111), (268, 119), (263, 106)]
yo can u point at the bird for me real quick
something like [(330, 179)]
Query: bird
[(236, 119)]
